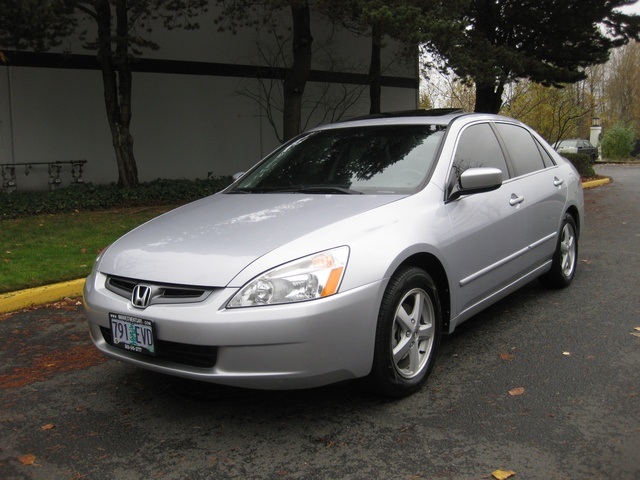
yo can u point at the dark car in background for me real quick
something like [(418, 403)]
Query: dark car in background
[(577, 145)]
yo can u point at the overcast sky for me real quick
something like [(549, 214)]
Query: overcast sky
[(632, 9)]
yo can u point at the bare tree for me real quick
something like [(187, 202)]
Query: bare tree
[(327, 102), (553, 112), (623, 86), (123, 28)]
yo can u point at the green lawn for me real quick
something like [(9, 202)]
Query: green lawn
[(44, 249)]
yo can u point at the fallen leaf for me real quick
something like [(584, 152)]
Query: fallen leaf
[(514, 392), (48, 426), (27, 459), (584, 260), (83, 250), (507, 357), (566, 354), (635, 334), (637, 329), (503, 474)]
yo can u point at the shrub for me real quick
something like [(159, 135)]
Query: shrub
[(617, 142), (97, 197), (583, 164)]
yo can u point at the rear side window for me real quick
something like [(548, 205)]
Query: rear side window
[(479, 147), (546, 158), (522, 148)]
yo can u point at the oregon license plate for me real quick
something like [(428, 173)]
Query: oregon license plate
[(133, 334)]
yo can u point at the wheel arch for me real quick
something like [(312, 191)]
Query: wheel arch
[(573, 211), (432, 265)]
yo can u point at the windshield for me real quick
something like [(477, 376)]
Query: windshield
[(374, 160)]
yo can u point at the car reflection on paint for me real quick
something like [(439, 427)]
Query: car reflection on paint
[(344, 254)]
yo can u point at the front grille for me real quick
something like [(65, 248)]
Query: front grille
[(202, 356), (160, 293)]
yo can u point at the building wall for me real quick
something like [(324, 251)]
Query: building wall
[(184, 125)]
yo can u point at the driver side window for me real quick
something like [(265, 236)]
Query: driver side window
[(477, 147)]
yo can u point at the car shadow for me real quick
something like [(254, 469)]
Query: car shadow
[(480, 336)]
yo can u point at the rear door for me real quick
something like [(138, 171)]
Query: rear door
[(544, 187)]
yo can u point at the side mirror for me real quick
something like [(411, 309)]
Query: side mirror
[(237, 176), (477, 180)]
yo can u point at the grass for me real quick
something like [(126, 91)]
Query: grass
[(44, 249)]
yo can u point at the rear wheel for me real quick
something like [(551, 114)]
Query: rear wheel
[(407, 335), (565, 258)]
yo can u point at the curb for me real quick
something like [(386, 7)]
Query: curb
[(596, 183), (10, 302)]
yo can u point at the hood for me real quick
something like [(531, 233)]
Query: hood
[(208, 242)]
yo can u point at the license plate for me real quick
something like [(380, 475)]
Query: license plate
[(133, 334)]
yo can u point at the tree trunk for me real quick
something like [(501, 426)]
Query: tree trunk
[(375, 70), (117, 81), (489, 97), (297, 76)]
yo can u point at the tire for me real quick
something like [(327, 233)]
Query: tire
[(409, 324), (565, 258)]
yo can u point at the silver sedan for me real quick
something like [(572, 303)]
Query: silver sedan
[(344, 254)]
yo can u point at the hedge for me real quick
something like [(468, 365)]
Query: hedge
[(98, 197), (583, 163)]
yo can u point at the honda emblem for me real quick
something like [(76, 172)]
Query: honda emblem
[(141, 296)]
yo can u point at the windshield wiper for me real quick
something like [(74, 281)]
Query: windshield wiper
[(247, 190), (328, 189)]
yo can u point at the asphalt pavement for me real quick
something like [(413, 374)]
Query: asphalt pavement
[(544, 384)]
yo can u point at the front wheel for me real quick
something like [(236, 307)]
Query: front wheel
[(565, 258), (407, 335)]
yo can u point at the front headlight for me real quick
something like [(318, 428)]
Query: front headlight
[(307, 278)]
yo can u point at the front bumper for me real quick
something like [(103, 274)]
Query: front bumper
[(299, 345)]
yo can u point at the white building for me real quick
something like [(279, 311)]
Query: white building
[(191, 111)]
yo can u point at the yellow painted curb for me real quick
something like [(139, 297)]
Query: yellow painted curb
[(596, 183), (10, 302)]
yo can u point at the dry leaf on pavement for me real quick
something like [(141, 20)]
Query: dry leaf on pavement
[(514, 392), (503, 474), (27, 459)]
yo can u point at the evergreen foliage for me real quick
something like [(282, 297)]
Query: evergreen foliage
[(617, 142), (548, 41)]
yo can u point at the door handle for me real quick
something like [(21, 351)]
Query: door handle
[(516, 199), (557, 182)]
